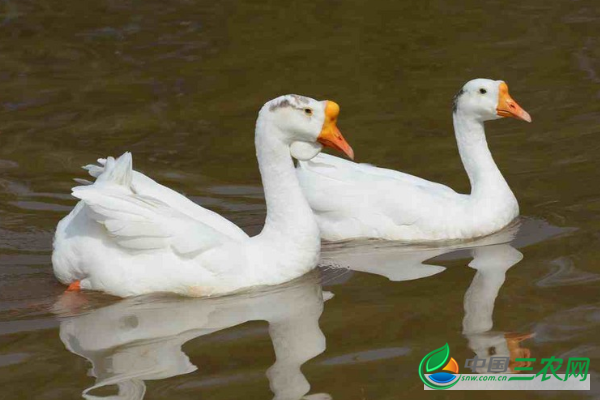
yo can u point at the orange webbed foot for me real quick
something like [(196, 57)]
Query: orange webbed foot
[(74, 287)]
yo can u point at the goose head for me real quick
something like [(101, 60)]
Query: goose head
[(306, 125), (485, 100)]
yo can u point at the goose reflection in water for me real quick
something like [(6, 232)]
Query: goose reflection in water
[(141, 339), (492, 256), (491, 263)]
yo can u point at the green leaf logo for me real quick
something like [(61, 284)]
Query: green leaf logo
[(433, 361), (437, 358)]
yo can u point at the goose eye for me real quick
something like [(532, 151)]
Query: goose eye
[(482, 91), (308, 111)]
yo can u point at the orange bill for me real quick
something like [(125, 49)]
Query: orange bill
[(330, 135), (507, 107)]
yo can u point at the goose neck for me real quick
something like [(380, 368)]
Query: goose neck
[(484, 175), (288, 212)]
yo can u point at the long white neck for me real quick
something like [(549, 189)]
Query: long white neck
[(288, 213), (485, 177)]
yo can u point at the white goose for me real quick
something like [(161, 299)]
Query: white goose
[(362, 201), (130, 235)]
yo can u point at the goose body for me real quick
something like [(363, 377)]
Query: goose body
[(353, 200), (129, 235)]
